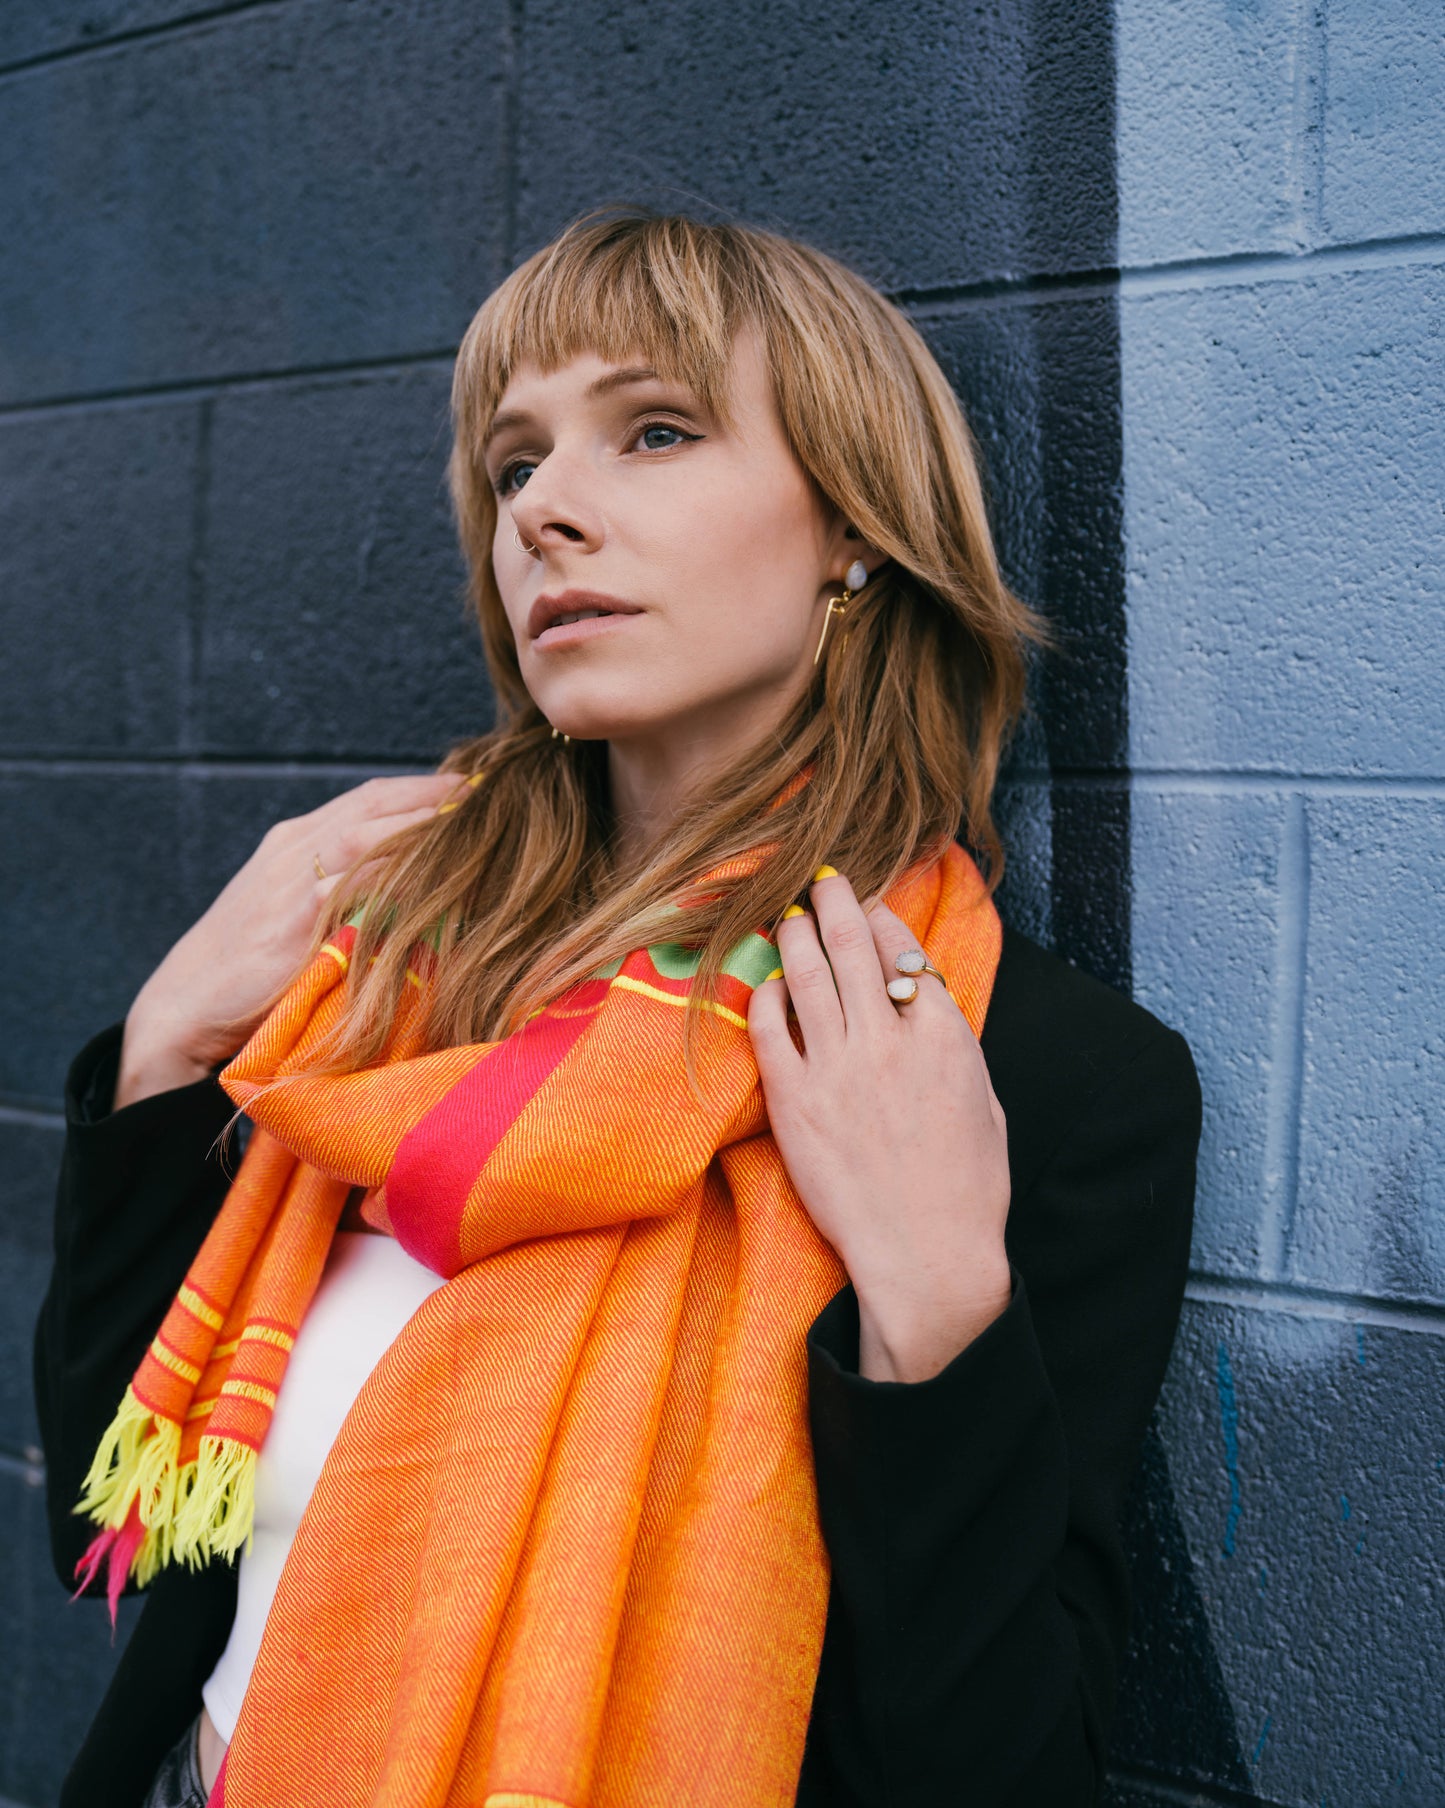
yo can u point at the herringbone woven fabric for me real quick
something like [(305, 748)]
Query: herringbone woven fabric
[(565, 1549)]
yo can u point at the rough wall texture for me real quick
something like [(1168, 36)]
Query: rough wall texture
[(243, 240), (1282, 237)]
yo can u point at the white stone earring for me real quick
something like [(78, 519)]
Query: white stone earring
[(857, 575)]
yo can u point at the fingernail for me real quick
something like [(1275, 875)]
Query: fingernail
[(794, 910), (825, 872), (777, 973), (476, 778)]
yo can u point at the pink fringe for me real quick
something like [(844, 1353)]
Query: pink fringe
[(217, 1797), (115, 1548)]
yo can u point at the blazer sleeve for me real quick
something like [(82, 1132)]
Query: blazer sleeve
[(979, 1599), (138, 1190)]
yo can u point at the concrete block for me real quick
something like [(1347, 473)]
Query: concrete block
[(334, 620), (1023, 813), (287, 186), (1370, 1215), (29, 1163), (1210, 933), (95, 554), (48, 1700), (92, 900), (1282, 448), (1208, 128), (991, 358), (1305, 1461), (61, 25), (818, 118), (229, 814), (1383, 175)]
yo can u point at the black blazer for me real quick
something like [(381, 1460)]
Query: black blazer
[(978, 1600)]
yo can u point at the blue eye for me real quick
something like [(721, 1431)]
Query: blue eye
[(514, 472), (662, 427)]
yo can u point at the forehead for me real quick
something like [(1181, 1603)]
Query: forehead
[(588, 376)]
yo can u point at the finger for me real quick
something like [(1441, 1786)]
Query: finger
[(810, 982), (351, 844), (893, 937), (393, 796), (773, 1046), (851, 949)]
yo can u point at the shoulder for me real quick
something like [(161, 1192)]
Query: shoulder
[(1068, 1055)]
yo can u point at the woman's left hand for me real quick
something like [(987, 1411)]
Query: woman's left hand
[(889, 1130)]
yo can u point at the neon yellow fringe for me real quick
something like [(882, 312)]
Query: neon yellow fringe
[(203, 1510), (219, 1505)]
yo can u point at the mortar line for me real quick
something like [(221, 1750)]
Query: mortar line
[(1306, 138), (512, 112), (26, 1470), (1161, 781), (200, 388), (1194, 779), (191, 702), (167, 28), (1250, 267), (211, 765), (1300, 1301), (29, 1117), (1286, 1053)]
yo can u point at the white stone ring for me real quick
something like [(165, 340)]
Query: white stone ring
[(911, 962)]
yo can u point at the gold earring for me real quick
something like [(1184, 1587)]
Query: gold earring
[(838, 604), (854, 578)]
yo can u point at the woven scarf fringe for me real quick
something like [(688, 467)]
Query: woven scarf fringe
[(136, 1461), (218, 1510), (153, 1511)]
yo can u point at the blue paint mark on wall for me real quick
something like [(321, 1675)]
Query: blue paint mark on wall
[(1258, 1751), (1229, 1421), (1360, 1344)]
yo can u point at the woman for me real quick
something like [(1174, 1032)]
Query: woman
[(678, 1380)]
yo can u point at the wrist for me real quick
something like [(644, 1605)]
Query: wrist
[(152, 1061), (912, 1323)]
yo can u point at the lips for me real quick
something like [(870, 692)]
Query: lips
[(567, 605)]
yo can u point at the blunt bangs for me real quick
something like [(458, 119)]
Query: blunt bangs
[(671, 293)]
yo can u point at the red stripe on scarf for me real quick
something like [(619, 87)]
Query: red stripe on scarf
[(437, 1163)]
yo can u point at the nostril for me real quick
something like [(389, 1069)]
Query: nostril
[(568, 532)]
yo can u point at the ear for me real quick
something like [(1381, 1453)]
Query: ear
[(845, 544)]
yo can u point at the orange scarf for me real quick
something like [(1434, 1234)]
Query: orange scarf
[(565, 1548)]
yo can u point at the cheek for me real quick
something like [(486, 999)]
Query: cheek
[(746, 567)]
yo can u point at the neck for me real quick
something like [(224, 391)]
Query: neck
[(652, 778)]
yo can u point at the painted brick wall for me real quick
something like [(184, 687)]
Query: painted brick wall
[(1282, 300), (242, 242)]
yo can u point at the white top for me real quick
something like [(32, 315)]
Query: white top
[(369, 1289)]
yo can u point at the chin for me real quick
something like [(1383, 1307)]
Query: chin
[(604, 718)]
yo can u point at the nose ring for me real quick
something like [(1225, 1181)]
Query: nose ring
[(520, 544)]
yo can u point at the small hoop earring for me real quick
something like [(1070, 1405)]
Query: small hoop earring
[(520, 544), (566, 738)]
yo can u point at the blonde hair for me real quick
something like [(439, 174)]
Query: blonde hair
[(901, 730)]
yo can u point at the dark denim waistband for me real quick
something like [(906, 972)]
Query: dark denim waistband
[(178, 1781)]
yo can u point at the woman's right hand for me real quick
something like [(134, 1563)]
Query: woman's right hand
[(212, 989)]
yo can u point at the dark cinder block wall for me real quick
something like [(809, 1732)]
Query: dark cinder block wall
[(1183, 263)]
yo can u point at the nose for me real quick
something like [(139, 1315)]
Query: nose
[(551, 509)]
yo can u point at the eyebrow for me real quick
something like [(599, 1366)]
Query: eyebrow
[(600, 386)]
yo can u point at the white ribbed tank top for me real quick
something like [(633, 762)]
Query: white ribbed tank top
[(369, 1288)]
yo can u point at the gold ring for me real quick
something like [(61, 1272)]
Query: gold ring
[(910, 963), (320, 869)]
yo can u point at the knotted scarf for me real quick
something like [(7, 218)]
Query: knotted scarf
[(565, 1549)]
